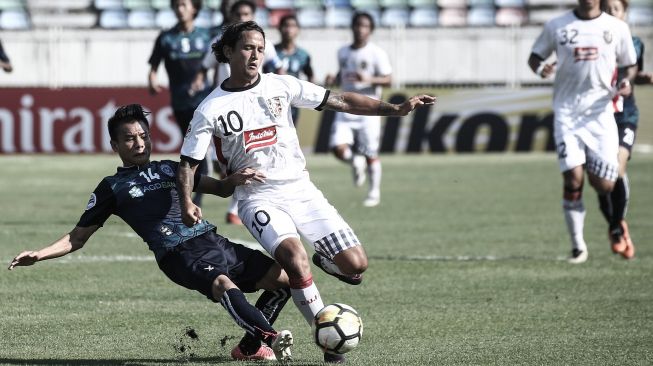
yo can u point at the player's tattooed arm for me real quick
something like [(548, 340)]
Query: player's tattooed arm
[(355, 103), (190, 213)]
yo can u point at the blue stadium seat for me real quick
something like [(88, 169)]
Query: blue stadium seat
[(394, 3), (423, 17), (217, 18), (510, 17), (338, 17), (141, 18), (423, 3), (300, 4), (364, 4), (310, 17), (136, 4), (480, 3), (12, 5), (107, 4), (203, 19), (481, 16), (15, 19), (395, 17), (640, 15), (510, 3), (458, 4), (165, 19), (262, 17), (210, 4), (113, 19), (337, 3), (160, 4), (453, 17), (279, 4)]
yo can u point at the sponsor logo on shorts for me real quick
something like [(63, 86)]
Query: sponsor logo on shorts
[(209, 268), (260, 138)]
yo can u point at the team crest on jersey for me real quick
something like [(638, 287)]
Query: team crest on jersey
[(274, 106), (91, 202), (607, 37), (260, 138), (135, 192), (364, 65), (167, 170)]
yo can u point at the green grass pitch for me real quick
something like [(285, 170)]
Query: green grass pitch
[(465, 269)]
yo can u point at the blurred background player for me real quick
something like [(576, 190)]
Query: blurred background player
[(589, 46), (248, 117), (240, 11), (182, 48), (615, 204), (364, 68), (295, 60), (5, 64), (194, 257)]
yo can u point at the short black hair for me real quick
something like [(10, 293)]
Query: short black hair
[(362, 14), (286, 18), (126, 114), (240, 3), (197, 4), (233, 33)]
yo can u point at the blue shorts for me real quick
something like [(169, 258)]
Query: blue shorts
[(197, 262)]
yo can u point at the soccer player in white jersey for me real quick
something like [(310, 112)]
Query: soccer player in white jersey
[(589, 46), (249, 118), (364, 68), (240, 11)]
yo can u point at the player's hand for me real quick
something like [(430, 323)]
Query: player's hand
[(246, 176), (548, 70), (154, 88), (24, 259), (625, 89), (645, 77), (329, 80), (196, 86), (191, 214), (416, 102)]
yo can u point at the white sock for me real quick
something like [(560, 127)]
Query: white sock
[(233, 206), (374, 172), (347, 155), (307, 299), (575, 218)]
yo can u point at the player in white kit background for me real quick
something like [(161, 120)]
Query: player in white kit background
[(364, 68), (249, 119), (589, 46)]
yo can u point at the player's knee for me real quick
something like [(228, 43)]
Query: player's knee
[(292, 257), (220, 285), (352, 261)]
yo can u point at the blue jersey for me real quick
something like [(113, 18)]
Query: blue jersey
[(146, 199), (630, 114), (182, 54), (296, 62)]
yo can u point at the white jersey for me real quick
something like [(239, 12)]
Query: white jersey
[(252, 127), (224, 71), (588, 53), (370, 60)]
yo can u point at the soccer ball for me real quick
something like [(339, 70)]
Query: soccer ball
[(337, 328)]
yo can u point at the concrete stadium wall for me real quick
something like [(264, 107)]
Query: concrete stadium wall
[(63, 58)]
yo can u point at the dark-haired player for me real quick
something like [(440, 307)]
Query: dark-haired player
[(143, 194)]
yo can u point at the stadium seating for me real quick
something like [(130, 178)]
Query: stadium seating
[(481, 16), (640, 15), (511, 17), (395, 17), (338, 17), (423, 17), (311, 17), (453, 17), (113, 19), (14, 19), (108, 4), (165, 19), (141, 18)]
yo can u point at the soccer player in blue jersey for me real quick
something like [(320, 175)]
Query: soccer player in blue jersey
[(143, 193), (182, 48), (5, 64), (614, 204), (296, 60)]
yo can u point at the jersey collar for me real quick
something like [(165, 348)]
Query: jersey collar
[(223, 87)]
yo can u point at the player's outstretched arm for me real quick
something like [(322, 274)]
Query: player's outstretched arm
[(225, 187), (191, 214), (66, 244), (355, 103)]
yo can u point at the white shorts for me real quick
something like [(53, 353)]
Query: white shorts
[(362, 131), (300, 209), (590, 139)]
